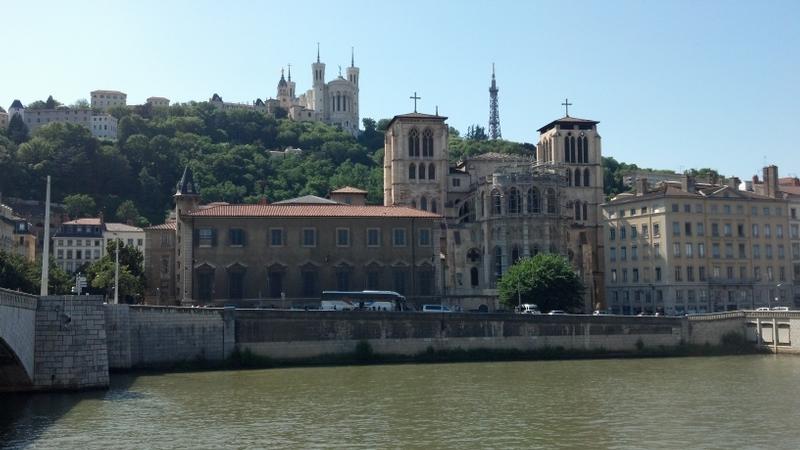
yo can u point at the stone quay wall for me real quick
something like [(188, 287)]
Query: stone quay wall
[(70, 350), (308, 334), (156, 336), (17, 326)]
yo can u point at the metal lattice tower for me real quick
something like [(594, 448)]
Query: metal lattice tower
[(494, 110)]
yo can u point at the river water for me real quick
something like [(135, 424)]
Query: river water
[(719, 402)]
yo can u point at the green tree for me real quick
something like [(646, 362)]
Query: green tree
[(127, 212), (476, 133), (547, 280), (51, 102), (101, 278), (80, 103), (17, 130), (18, 274), (80, 205)]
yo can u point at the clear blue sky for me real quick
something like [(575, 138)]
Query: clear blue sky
[(674, 84)]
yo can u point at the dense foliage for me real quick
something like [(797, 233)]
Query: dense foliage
[(100, 275), (547, 280), (17, 274)]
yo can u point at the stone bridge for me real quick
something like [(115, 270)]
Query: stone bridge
[(17, 337), (52, 342)]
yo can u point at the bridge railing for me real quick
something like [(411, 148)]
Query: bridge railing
[(17, 299)]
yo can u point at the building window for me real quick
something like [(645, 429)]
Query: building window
[(309, 237), (399, 281), (342, 237), (276, 237), (550, 194), (343, 279), (676, 228), (373, 237), (533, 201), (514, 204), (421, 171), (412, 171), (612, 233), (701, 250), (586, 177), (425, 237), (497, 203), (236, 284), (206, 237), (456, 182), (658, 273), (236, 237), (427, 143), (431, 171), (423, 203), (656, 230), (399, 237)]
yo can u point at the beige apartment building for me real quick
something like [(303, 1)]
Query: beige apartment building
[(16, 235), (83, 241), (697, 247), (105, 99)]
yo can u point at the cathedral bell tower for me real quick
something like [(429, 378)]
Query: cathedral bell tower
[(318, 84)]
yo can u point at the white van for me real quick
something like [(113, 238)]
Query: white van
[(435, 308), (528, 308)]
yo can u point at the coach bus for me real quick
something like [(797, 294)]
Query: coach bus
[(362, 301)]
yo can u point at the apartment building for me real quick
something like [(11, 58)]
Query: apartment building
[(696, 247), (83, 241), (16, 235), (105, 99)]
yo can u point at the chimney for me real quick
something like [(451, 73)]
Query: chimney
[(263, 200), (641, 186), (771, 181), (688, 183)]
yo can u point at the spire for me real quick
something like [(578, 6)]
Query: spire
[(352, 57), (186, 186), (317, 51), (290, 72), (494, 109)]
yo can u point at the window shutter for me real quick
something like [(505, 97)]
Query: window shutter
[(213, 237)]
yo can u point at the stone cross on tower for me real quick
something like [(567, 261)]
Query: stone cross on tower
[(566, 105), (415, 98)]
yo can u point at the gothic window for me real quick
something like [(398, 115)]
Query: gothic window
[(434, 206), (413, 143), (498, 263), (585, 149), (533, 201), (572, 148), (431, 171), (464, 213), (423, 203), (577, 179), (585, 210), (497, 203), (427, 143), (412, 171), (414, 204), (577, 208), (514, 204), (566, 149), (483, 205), (580, 150), (422, 171), (550, 195), (586, 177), (569, 177), (473, 277)]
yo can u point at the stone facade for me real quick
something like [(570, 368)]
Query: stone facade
[(499, 207), (696, 247), (103, 99)]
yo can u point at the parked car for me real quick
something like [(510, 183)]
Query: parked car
[(600, 312), (556, 312), (528, 308), (436, 308), (762, 308), (780, 308)]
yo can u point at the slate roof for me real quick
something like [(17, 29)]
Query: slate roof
[(17, 104), (320, 210), (416, 115), (567, 120)]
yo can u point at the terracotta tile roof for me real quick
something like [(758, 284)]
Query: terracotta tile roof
[(84, 221), (320, 210), (307, 200), (163, 226), (349, 190)]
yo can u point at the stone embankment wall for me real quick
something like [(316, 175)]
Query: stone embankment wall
[(151, 336), (300, 334), (70, 350), (17, 328)]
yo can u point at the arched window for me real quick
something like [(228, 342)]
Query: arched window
[(514, 203), (434, 206), (414, 204), (577, 178), (550, 195), (431, 171), (483, 205), (464, 215), (534, 201), (580, 150), (585, 211), (473, 277), (585, 149), (427, 143), (422, 171), (498, 263), (566, 149), (412, 171), (413, 143), (586, 177), (572, 148), (569, 177), (423, 203), (497, 203), (515, 254), (577, 208)]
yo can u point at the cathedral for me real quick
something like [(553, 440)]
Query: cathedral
[(498, 208)]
